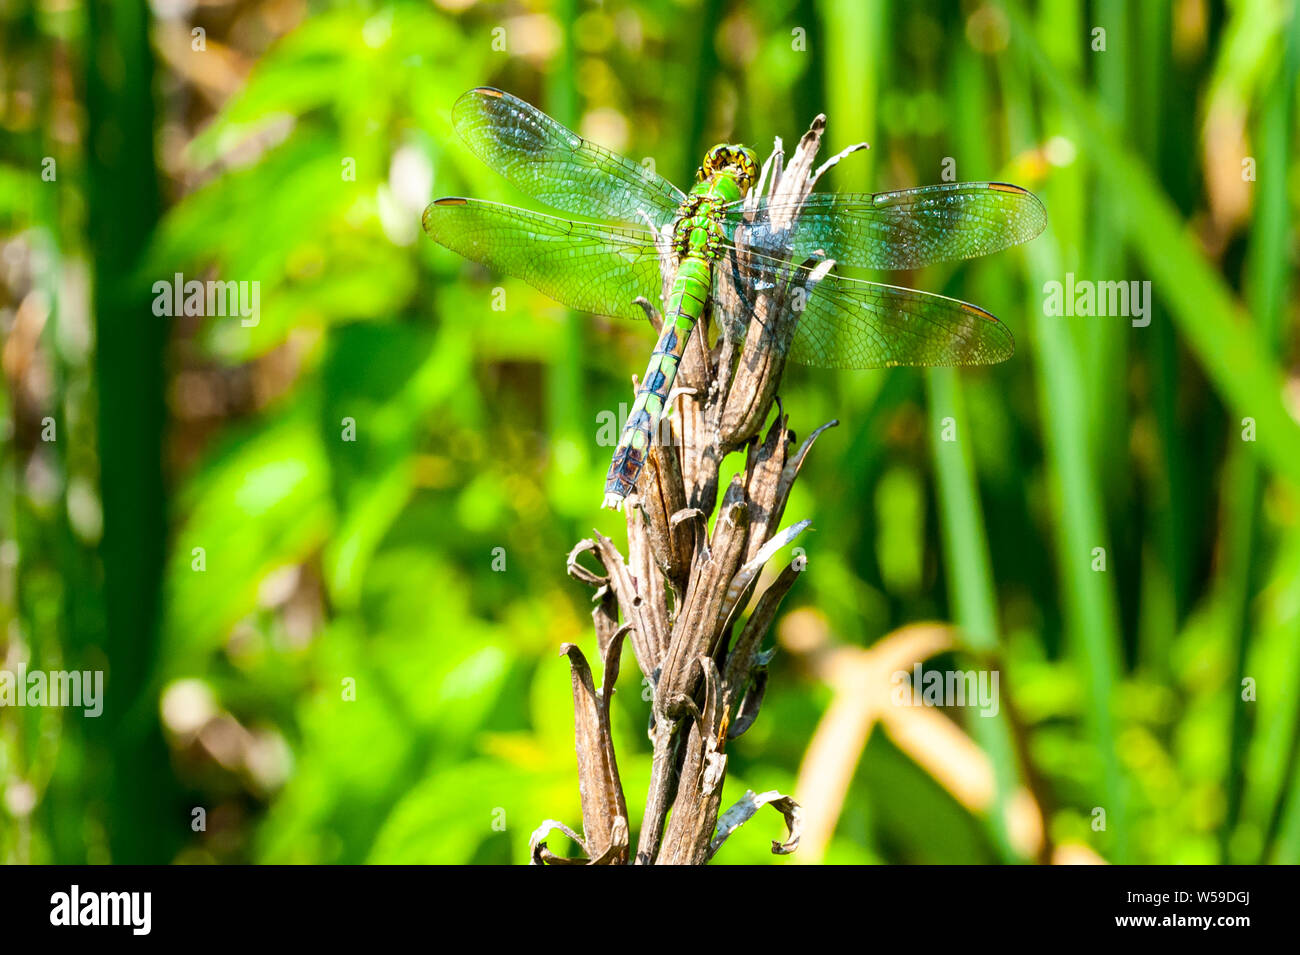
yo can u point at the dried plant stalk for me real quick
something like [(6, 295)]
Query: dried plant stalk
[(682, 590)]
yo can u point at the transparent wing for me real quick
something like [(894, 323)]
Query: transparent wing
[(557, 166), (896, 230), (849, 323), (588, 267)]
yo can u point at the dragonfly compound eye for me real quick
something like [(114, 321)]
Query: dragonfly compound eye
[(747, 163), (739, 162), (714, 160)]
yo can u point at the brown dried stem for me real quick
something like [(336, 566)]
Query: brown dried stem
[(682, 591)]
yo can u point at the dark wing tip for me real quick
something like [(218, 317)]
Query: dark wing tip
[(473, 101), (1039, 221), (1001, 343), (965, 306), (426, 220)]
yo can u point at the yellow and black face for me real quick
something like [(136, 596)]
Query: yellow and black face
[(738, 162)]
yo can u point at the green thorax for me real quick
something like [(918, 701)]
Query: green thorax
[(726, 175), (699, 231)]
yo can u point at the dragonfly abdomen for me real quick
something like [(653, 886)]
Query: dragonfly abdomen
[(690, 290)]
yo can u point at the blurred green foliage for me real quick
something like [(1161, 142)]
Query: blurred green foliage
[(349, 652)]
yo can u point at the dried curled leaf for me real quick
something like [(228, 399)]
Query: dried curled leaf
[(603, 805), (539, 854), (744, 810)]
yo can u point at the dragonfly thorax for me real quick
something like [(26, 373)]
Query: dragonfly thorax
[(698, 231), (727, 174)]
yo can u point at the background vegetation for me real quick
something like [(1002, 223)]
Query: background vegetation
[(1167, 156)]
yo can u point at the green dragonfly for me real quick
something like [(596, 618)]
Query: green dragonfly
[(845, 322)]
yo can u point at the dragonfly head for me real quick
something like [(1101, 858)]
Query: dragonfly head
[(738, 163)]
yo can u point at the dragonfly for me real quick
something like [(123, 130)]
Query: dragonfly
[(662, 232)]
